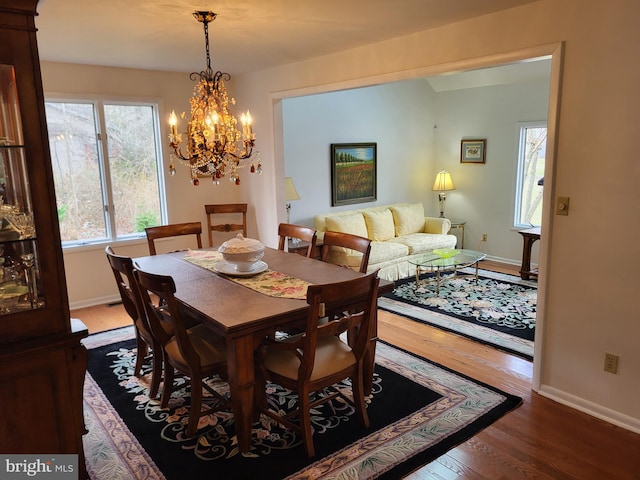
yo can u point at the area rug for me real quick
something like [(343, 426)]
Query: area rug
[(418, 410), (499, 310)]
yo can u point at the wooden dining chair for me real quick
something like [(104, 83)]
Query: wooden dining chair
[(318, 358), (229, 208), (306, 234), (173, 230), (122, 268), (335, 243), (195, 352)]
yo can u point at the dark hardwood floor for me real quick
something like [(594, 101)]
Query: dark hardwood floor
[(541, 439)]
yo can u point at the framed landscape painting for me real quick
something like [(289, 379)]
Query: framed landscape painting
[(353, 173)]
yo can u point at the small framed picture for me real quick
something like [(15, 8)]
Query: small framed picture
[(473, 151)]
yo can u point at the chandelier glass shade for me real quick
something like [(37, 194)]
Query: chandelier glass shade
[(214, 146)]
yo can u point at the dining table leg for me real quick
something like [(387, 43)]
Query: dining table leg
[(241, 379)]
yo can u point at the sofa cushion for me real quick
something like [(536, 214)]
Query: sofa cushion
[(425, 242), (353, 224), (345, 257), (385, 251), (320, 219), (408, 218), (380, 226)]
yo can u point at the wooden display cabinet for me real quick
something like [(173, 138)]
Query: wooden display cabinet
[(42, 361)]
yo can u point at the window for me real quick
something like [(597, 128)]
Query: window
[(531, 152), (108, 187)]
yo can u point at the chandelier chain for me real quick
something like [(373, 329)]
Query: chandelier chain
[(206, 44)]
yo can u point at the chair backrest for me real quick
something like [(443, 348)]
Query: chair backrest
[(349, 306), (165, 311), (122, 268), (173, 230), (306, 234), (229, 208), (347, 240)]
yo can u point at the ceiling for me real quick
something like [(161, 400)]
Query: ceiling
[(248, 35)]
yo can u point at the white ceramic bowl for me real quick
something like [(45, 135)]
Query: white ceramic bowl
[(242, 252)]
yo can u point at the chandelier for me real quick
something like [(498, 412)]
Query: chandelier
[(214, 146)]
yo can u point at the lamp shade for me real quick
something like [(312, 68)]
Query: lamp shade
[(443, 182), (290, 191)]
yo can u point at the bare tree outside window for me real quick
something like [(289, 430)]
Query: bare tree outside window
[(531, 157), (133, 166), (107, 185)]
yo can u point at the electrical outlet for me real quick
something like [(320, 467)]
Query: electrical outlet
[(611, 363), (484, 237)]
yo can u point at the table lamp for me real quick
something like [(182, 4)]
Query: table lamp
[(290, 193), (442, 185)]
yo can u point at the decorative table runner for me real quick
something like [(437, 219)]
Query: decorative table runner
[(269, 282)]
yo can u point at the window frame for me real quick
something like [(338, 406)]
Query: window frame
[(99, 102), (521, 128)]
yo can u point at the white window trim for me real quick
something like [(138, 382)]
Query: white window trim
[(100, 101), (517, 201)]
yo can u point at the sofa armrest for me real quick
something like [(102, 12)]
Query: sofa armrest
[(437, 225)]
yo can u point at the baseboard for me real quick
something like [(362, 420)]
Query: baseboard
[(92, 302), (593, 409), (507, 261)]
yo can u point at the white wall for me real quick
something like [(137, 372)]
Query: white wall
[(400, 117), (587, 305), (485, 193), (397, 117)]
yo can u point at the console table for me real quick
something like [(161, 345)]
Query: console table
[(529, 236)]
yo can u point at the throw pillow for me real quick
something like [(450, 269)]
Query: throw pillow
[(408, 218), (353, 223), (380, 226)]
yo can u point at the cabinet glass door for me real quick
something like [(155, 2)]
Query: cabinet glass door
[(19, 265)]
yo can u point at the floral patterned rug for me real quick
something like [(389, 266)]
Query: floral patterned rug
[(498, 309), (418, 411)]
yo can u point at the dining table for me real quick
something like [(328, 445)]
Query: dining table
[(245, 308)]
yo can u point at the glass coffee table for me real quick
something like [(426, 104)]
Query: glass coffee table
[(445, 260)]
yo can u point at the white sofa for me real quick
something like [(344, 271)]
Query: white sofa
[(398, 232)]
